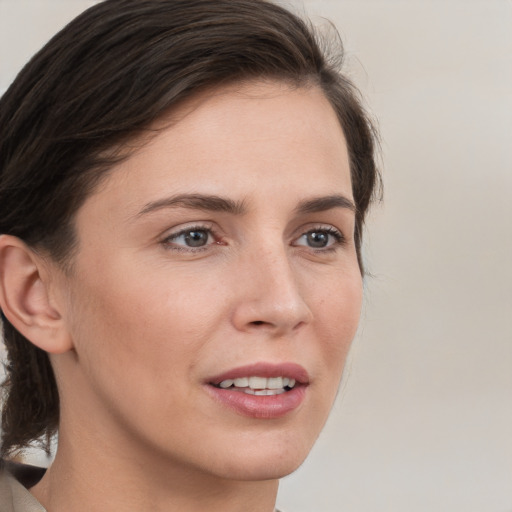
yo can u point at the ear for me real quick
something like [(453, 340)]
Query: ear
[(25, 297)]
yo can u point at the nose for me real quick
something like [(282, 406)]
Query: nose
[(269, 295)]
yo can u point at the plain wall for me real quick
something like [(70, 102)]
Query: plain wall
[(424, 418)]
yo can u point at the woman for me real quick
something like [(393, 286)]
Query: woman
[(183, 190)]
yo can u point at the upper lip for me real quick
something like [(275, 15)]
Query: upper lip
[(262, 369)]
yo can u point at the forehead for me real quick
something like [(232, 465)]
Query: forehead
[(247, 137)]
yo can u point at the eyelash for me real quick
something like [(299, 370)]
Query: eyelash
[(339, 238), (168, 242)]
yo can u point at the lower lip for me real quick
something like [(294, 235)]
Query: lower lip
[(261, 407)]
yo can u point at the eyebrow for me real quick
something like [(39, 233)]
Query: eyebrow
[(196, 202), (324, 203), (221, 204)]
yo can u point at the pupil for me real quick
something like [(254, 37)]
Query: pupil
[(318, 239), (196, 238)]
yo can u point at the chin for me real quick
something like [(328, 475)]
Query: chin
[(264, 470), (262, 462), (275, 470)]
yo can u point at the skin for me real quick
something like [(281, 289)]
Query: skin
[(143, 320)]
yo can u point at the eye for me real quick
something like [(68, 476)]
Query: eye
[(195, 237), (320, 238)]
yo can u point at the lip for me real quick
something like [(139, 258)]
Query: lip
[(290, 370), (261, 407)]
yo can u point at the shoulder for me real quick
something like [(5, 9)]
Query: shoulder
[(15, 479)]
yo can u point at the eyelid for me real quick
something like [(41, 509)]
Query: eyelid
[(338, 235), (167, 238)]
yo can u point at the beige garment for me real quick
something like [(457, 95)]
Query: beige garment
[(14, 497)]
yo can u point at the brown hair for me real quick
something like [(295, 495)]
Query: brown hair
[(102, 80)]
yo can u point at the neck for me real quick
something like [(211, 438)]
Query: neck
[(98, 479)]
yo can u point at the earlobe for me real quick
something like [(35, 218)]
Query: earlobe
[(25, 297)]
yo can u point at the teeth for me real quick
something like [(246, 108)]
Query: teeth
[(262, 385), (275, 383), (262, 392), (226, 383), (268, 392), (257, 382)]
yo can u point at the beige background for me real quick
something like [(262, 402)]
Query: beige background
[(424, 420)]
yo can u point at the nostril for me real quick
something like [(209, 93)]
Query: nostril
[(258, 322)]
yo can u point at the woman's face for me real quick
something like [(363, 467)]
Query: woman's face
[(216, 265)]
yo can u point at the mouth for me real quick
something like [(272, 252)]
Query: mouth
[(258, 386), (262, 390)]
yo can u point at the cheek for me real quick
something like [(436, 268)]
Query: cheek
[(338, 315), (137, 340), (142, 318)]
